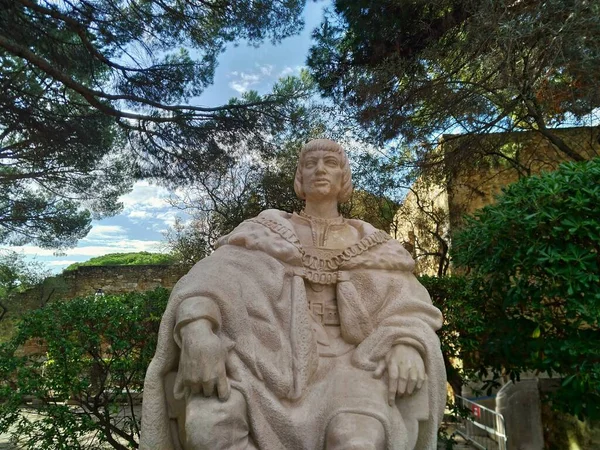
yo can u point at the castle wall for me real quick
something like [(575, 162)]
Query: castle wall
[(86, 280)]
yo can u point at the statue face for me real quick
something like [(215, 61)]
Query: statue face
[(321, 175)]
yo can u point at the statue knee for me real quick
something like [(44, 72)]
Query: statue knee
[(211, 424), (348, 431)]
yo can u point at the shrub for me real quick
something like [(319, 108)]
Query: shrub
[(537, 254), (457, 297), (85, 381), (126, 259)]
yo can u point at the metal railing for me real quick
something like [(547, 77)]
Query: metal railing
[(484, 428)]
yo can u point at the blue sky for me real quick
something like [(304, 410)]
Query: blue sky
[(147, 213)]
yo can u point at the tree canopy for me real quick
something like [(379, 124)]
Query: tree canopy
[(416, 70), (97, 93), (17, 275), (536, 254), (250, 184)]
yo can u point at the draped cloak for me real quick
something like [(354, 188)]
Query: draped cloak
[(253, 290)]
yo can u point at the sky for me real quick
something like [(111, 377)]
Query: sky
[(147, 213)]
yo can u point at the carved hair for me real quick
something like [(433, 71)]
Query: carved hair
[(328, 146)]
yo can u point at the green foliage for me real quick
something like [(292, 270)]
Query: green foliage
[(419, 70), (465, 325), (16, 274), (537, 254), (95, 94), (125, 259), (95, 355)]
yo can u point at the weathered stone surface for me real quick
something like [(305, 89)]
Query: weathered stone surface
[(86, 280), (301, 331), (520, 405)]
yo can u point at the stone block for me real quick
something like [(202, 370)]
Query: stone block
[(521, 407)]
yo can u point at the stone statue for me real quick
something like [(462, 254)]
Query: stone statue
[(301, 331)]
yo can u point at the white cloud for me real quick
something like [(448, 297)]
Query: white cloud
[(266, 70), (62, 262), (105, 232), (145, 196), (290, 71), (168, 217), (139, 214), (244, 81)]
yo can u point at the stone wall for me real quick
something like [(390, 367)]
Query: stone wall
[(471, 187), (85, 280), (434, 208), (422, 226)]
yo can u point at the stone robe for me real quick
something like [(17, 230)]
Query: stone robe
[(253, 290)]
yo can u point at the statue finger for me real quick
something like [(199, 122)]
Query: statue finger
[(421, 377), (223, 388), (423, 380), (208, 388), (179, 391), (232, 371), (402, 380), (412, 380), (392, 383), (380, 369), (402, 383), (392, 370), (392, 391)]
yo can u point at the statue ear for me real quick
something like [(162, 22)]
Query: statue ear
[(346, 191), (298, 186)]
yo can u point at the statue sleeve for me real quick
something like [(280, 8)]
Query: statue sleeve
[(196, 308)]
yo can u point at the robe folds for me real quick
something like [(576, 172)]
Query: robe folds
[(252, 288)]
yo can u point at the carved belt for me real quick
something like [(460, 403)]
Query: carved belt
[(327, 315), (321, 277)]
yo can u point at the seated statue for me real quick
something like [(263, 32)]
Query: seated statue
[(301, 331)]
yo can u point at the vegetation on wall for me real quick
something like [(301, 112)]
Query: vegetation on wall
[(125, 259)]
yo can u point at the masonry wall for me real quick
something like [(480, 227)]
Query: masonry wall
[(434, 209), (85, 280), (471, 187)]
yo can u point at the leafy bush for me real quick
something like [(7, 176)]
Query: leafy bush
[(125, 259), (464, 323), (83, 384), (537, 254)]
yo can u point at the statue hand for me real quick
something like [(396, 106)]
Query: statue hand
[(406, 371), (202, 362)]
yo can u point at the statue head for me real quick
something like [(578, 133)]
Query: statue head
[(328, 146)]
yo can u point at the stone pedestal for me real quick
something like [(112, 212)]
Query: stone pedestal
[(520, 405)]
